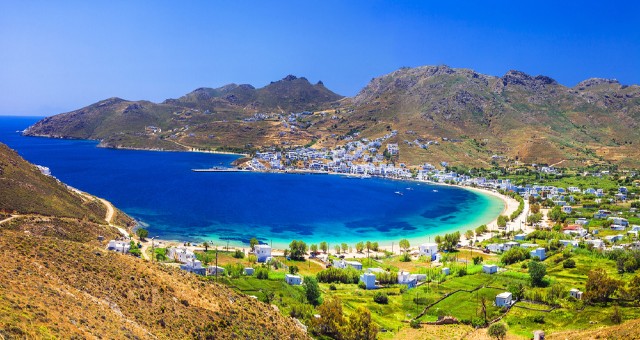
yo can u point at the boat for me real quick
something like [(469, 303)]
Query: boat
[(409, 189), (434, 190), (398, 193)]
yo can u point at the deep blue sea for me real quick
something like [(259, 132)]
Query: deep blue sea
[(172, 202)]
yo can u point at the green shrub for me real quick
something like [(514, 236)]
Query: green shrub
[(262, 273), (362, 285), (333, 287), (569, 263), (239, 254), (381, 298), (336, 275), (414, 324)]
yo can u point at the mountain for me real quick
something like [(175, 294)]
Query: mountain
[(475, 119), (58, 281), (517, 116), (122, 123)]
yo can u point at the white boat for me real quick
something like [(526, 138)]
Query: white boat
[(434, 190), (398, 193)]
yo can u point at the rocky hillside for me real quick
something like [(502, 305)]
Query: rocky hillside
[(522, 117), (171, 124), (472, 116), (58, 281)]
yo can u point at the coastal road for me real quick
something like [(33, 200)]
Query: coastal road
[(9, 218)]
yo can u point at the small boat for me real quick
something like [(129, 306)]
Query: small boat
[(409, 189), (398, 193), (434, 190)]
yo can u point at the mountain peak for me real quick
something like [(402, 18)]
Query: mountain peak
[(515, 77), (595, 82)]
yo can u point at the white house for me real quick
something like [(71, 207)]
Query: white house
[(565, 243), (617, 227), (194, 266), (182, 255), (429, 250), (293, 280), (614, 238), (369, 280), (405, 278), (597, 243), (576, 293), (119, 246), (342, 264), (446, 271), (620, 221), (248, 271), (539, 252), (263, 252), (213, 270), (566, 209), (489, 268), (520, 237), (510, 245), (503, 299), (496, 247)]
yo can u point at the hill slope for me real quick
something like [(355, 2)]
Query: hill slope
[(205, 117), (59, 281), (517, 116)]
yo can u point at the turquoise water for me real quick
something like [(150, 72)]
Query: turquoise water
[(172, 202)]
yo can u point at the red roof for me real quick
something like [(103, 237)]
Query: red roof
[(573, 227)]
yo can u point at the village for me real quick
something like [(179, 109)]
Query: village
[(573, 232)]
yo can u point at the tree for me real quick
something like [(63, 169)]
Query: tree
[(537, 271), (381, 298), (253, 242), (206, 246), (482, 229), (337, 248), (312, 290), (498, 330), (324, 247), (361, 327), (293, 269), (469, 234), (569, 263), (142, 233), (502, 221), (359, 247), (557, 215), (535, 208), (517, 290), (375, 246), (345, 247), (405, 245), (314, 248), (331, 319), (368, 246), (449, 241), (297, 250), (600, 286)]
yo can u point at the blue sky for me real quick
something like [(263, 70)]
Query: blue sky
[(60, 56)]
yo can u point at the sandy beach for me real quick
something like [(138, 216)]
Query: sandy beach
[(510, 205)]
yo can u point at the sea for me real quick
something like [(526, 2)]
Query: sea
[(161, 192)]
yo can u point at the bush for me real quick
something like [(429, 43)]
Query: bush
[(478, 322), (477, 260), (262, 273), (381, 298), (362, 285), (569, 263), (515, 254), (497, 330), (538, 318), (333, 287), (239, 254), (462, 272), (414, 324)]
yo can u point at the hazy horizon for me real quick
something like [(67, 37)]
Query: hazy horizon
[(61, 57)]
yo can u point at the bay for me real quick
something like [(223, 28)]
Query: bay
[(160, 191)]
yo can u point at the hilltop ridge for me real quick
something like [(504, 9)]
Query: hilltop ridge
[(516, 116)]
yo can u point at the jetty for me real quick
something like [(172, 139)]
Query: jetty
[(219, 169)]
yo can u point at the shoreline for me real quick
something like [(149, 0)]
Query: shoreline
[(510, 205)]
